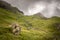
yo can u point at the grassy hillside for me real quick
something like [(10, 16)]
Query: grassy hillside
[(33, 27)]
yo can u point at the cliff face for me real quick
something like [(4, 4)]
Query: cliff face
[(8, 6)]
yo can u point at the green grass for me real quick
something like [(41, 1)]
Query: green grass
[(33, 28)]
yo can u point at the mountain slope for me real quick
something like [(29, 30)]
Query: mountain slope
[(33, 28), (8, 6)]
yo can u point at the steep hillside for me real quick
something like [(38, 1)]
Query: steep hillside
[(33, 27), (8, 6)]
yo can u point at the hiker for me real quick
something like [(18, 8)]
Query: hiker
[(16, 29)]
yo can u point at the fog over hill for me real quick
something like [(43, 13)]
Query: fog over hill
[(47, 8)]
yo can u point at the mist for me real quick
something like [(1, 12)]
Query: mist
[(48, 8)]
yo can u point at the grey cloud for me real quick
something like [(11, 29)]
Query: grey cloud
[(52, 7)]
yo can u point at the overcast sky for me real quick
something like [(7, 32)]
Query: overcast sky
[(47, 8)]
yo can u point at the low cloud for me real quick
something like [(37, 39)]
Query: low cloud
[(47, 8)]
